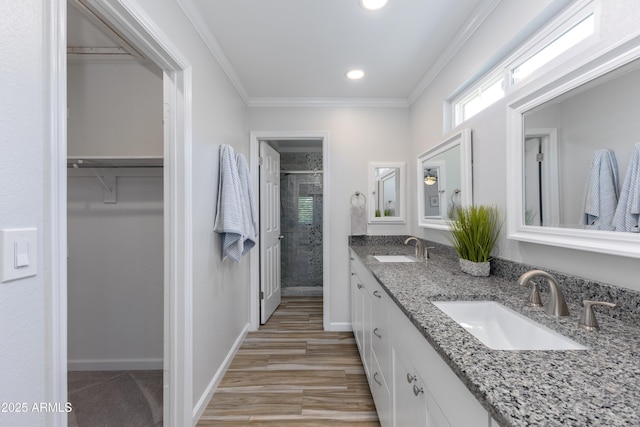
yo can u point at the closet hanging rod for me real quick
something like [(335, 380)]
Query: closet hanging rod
[(115, 163)]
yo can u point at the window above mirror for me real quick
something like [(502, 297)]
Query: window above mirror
[(387, 188), (444, 180)]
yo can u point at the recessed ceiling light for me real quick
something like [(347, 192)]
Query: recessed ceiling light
[(355, 74), (372, 4)]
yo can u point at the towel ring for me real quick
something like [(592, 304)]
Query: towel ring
[(357, 195)]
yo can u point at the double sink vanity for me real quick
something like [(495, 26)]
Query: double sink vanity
[(441, 348)]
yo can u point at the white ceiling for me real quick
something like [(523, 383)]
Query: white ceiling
[(278, 50)]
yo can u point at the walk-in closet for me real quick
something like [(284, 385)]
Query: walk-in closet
[(115, 225)]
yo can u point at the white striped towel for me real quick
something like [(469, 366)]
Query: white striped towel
[(229, 221), (249, 212), (627, 216), (358, 220), (601, 191)]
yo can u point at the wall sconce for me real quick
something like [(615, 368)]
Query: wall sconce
[(430, 179)]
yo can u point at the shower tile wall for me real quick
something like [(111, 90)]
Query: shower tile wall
[(301, 222)]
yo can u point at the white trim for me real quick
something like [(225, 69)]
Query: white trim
[(202, 403), (194, 15), (114, 364), (547, 26), (133, 23), (339, 327), (479, 15), (254, 150), (55, 204), (328, 103)]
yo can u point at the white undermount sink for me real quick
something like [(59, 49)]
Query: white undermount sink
[(394, 258), (501, 328)]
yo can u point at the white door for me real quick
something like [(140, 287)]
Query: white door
[(269, 231)]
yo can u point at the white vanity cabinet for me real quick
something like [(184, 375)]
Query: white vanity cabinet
[(370, 324), (410, 383)]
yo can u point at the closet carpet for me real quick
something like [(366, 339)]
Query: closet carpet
[(292, 373), (115, 398)]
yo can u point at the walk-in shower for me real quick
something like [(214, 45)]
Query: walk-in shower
[(301, 223)]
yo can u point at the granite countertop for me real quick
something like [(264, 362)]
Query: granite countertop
[(597, 387)]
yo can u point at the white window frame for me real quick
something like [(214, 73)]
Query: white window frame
[(555, 29)]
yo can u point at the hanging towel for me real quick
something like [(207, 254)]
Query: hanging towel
[(358, 221), (358, 214), (249, 213), (229, 222), (627, 216), (601, 191)]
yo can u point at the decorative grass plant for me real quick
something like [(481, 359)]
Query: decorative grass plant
[(474, 232)]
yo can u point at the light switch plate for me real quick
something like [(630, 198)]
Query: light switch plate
[(18, 246)]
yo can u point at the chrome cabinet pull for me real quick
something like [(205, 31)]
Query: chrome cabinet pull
[(375, 378), (376, 333), (411, 378), (377, 294), (417, 390)]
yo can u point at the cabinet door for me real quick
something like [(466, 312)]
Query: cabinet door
[(380, 334), (409, 406)]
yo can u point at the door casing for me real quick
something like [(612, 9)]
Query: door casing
[(132, 21)]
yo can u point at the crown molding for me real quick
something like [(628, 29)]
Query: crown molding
[(214, 47), (473, 22), (328, 102), (479, 15)]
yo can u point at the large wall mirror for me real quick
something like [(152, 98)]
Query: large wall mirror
[(387, 192), (444, 180), (573, 151)]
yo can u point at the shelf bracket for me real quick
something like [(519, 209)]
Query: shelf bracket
[(109, 187)]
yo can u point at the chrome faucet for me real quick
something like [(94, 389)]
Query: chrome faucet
[(557, 306), (588, 318), (422, 252)]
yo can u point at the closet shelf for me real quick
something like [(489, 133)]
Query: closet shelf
[(114, 162)]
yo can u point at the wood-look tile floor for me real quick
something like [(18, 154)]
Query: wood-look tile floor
[(292, 373)]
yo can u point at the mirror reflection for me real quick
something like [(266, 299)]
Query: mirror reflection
[(387, 191), (581, 156), (444, 180), (386, 187)]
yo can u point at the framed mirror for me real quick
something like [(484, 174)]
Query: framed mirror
[(571, 149), (387, 192), (444, 180)]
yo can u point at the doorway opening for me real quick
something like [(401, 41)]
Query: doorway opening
[(150, 43), (115, 230), (301, 198), (303, 218)]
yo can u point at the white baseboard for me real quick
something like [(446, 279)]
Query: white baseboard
[(215, 381), (114, 364), (339, 327)]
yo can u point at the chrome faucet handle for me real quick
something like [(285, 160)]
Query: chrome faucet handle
[(534, 299), (557, 306), (426, 252), (588, 319)]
